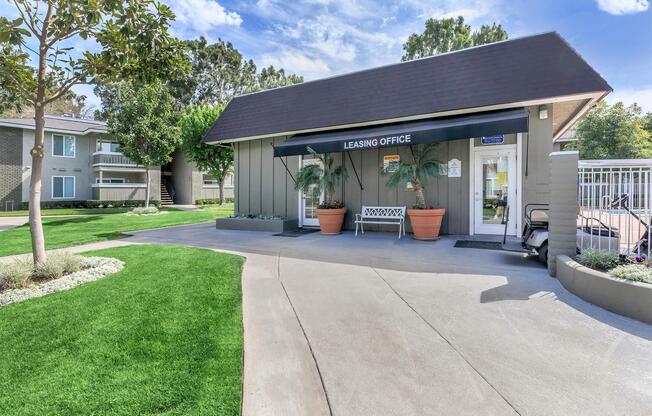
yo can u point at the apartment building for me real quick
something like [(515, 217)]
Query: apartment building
[(82, 162)]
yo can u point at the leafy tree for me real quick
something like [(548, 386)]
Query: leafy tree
[(613, 132), (217, 160), (449, 34), (270, 78), (134, 43), (417, 173), (220, 72), (69, 103), (11, 101), (144, 121), (647, 122)]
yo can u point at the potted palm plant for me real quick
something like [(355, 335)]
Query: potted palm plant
[(425, 220), (324, 177)]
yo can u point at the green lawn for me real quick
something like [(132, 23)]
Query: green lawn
[(163, 336), (72, 231), (67, 211), (219, 211)]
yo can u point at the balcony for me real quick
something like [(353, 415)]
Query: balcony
[(115, 162), (119, 191)]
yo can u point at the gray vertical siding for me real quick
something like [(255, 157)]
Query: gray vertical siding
[(538, 147), (263, 186)]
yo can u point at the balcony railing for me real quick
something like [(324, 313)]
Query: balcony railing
[(113, 160)]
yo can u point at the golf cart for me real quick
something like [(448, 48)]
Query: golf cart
[(592, 233)]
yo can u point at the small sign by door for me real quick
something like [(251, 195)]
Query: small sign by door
[(497, 139), (454, 168), (390, 163)]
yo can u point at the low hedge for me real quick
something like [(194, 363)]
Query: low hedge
[(92, 203), (213, 201)]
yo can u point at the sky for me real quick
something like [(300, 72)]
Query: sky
[(320, 38)]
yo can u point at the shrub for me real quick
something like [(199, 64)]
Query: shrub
[(92, 203), (599, 259), (213, 201), (636, 272), (20, 271), (144, 211), (16, 273)]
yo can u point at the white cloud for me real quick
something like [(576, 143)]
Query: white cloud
[(294, 61), (642, 96), (619, 7), (200, 16)]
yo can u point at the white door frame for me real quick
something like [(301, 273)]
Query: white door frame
[(302, 220), (519, 180)]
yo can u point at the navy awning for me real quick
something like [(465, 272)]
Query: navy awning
[(407, 133)]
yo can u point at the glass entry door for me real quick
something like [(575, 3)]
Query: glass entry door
[(309, 201), (495, 191)]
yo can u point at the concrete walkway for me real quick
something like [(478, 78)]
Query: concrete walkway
[(374, 325), (7, 223)]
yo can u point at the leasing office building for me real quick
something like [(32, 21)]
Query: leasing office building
[(496, 111)]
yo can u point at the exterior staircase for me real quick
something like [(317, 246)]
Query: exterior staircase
[(166, 199)]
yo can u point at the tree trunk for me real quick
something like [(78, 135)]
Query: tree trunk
[(221, 190), (421, 200), (147, 187), (35, 224)]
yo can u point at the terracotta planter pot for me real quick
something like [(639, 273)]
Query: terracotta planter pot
[(426, 222), (331, 220)]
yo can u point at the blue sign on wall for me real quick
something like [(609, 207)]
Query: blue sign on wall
[(498, 139)]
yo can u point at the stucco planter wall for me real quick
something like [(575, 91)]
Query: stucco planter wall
[(256, 224), (624, 297)]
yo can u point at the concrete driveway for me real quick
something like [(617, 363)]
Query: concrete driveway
[(377, 326)]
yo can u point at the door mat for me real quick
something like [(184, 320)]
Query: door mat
[(487, 245), (296, 233)]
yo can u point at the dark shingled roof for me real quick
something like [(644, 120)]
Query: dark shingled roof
[(517, 70)]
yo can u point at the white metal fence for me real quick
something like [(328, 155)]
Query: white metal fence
[(615, 206)]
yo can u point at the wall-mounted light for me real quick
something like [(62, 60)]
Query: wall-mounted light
[(543, 112), (26, 168)]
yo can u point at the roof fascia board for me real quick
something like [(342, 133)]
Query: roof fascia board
[(74, 132), (550, 100)]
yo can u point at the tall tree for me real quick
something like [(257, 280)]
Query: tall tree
[(69, 103), (647, 122), (449, 34), (613, 132), (217, 160), (134, 43), (144, 121), (11, 101), (220, 72), (271, 77)]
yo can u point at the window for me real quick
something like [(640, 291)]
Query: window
[(110, 180), (210, 181), (63, 146), (63, 187), (105, 146)]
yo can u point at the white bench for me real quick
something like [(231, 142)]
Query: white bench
[(381, 215)]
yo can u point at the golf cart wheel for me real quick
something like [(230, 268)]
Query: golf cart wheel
[(543, 253)]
